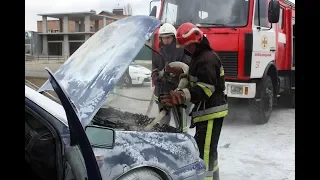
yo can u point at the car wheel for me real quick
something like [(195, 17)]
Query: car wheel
[(127, 81), (141, 174)]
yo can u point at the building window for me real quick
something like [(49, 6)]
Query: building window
[(49, 31), (263, 13)]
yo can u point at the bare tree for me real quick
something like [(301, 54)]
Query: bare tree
[(127, 10)]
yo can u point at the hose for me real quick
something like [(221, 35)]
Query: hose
[(139, 99)]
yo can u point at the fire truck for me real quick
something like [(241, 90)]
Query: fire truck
[(254, 40)]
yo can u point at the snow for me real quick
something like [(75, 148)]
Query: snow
[(254, 152), (246, 151)]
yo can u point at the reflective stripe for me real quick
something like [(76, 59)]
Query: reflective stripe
[(185, 130), (205, 89), (211, 87), (207, 143), (208, 178), (221, 71), (209, 173), (156, 98), (210, 116), (215, 168), (193, 79), (210, 110)]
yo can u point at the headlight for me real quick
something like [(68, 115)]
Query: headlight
[(236, 89)]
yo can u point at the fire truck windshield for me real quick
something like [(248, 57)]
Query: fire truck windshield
[(214, 13)]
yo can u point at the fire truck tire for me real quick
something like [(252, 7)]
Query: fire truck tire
[(260, 111)]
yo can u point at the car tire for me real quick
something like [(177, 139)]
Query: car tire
[(127, 81), (141, 174), (260, 111)]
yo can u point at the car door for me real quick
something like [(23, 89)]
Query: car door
[(78, 136)]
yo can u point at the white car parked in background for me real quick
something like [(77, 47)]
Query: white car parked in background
[(139, 74)]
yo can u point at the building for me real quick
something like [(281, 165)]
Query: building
[(32, 43), (64, 36)]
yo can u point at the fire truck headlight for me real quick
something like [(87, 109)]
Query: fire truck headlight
[(236, 89)]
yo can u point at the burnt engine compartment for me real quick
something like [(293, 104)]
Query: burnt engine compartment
[(114, 118)]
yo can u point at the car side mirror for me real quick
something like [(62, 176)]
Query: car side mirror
[(274, 11), (100, 137)]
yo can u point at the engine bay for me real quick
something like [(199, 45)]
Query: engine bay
[(126, 121)]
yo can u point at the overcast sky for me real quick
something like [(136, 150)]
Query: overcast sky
[(34, 7)]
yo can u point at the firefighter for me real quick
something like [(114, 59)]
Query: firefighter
[(170, 53), (206, 91)]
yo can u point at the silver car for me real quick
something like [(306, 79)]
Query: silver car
[(62, 143)]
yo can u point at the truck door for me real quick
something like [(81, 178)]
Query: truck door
[(264, 39), (281, 61)]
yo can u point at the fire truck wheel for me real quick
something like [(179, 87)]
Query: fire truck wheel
[(260, 111)]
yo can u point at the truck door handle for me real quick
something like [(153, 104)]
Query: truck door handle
[(272, 50)]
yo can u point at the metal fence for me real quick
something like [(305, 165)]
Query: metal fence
[(45, 58)]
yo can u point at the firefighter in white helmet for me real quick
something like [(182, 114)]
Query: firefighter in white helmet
[(170, 53)]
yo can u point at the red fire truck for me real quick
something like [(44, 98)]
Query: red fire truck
[(253, 38)]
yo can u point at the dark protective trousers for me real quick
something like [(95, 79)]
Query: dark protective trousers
[(207, 137)]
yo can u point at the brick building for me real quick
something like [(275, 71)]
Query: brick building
[(64, 36), (54, 25)]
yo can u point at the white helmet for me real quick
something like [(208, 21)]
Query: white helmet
[(167, 30)]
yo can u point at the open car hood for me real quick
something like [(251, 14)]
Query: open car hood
[(96, 67)]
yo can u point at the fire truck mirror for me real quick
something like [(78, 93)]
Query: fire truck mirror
[(274, 11), (153, 11)]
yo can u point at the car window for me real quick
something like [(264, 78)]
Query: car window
[(41, 146), (58, 125)]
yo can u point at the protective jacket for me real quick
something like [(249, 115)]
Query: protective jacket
[(170, 54), (207, 85)]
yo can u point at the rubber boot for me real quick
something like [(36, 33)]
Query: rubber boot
[(216, 175)]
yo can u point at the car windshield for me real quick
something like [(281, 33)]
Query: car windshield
[(206, 12)]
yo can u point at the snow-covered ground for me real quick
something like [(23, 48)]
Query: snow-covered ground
[(246, 151)]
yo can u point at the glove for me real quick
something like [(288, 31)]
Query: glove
[(173, 71), (172, 74), (173, 98), (154, 75)]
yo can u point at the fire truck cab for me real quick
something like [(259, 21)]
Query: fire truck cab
[(254, 40)]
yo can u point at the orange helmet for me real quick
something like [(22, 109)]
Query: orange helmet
[(188, 33)]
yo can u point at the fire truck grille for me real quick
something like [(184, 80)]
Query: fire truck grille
[(229, 62)]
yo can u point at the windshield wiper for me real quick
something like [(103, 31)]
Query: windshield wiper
[(217, 25), (213, 24)]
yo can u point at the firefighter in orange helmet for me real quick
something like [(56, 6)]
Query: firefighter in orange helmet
[(205, 91)]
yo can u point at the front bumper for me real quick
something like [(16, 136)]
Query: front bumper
[(240, 90)]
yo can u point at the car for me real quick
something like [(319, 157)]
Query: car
[(139, 74), (61, 140)]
